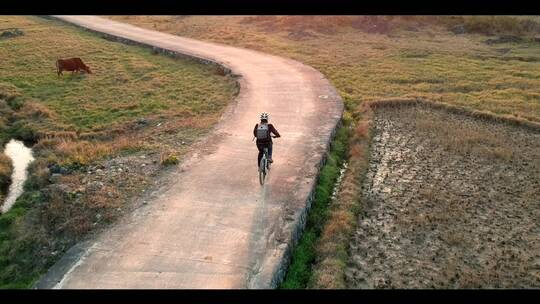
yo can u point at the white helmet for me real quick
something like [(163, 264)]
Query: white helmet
[(264, 115)]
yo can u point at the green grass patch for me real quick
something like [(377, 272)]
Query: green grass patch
[(23, 254), (303, 257), (127, 82)]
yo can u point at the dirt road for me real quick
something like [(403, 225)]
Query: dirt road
[(216, 227)]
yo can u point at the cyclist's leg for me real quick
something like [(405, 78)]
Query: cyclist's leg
[(270, 152), (261, 151)]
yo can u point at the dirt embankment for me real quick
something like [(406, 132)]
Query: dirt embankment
[(450, 202)]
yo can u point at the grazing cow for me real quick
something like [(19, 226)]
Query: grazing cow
[(71, 64)]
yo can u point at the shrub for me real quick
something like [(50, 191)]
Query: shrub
[(21, 130), (6, 169), (38, 175), (8, 91), (167, 159), (36, 110)]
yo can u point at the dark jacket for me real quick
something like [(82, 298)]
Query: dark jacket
[(271, 129)]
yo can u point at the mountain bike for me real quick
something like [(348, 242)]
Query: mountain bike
[(264, 166)]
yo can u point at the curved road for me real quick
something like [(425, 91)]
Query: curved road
[(216, 227)]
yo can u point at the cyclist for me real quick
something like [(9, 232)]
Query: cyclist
[(263, 133)]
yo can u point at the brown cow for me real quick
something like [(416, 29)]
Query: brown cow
[(71, 64)]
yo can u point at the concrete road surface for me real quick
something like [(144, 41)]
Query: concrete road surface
[(216, 226)]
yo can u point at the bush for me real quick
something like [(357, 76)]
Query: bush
[(21, 244), (168, 159), (6, 168), (22, 131), (36, 110), (15, 103), (9, 91), (38, 175)]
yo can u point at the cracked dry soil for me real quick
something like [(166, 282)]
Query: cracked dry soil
[(448, 202)]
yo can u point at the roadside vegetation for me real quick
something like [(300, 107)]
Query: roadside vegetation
[(299, 271), (6, 168), (483, 63), (134, 106)]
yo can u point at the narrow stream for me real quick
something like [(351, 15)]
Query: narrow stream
[(21, 156)]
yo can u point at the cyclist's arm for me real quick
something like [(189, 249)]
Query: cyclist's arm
[(255, 130), (273, 130)]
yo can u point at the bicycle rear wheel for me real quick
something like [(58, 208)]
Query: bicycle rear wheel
[(262, 170)]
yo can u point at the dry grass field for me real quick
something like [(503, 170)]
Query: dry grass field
[(411, 60), (450, 201)]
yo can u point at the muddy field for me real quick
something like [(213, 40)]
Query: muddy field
[(449, 202)]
